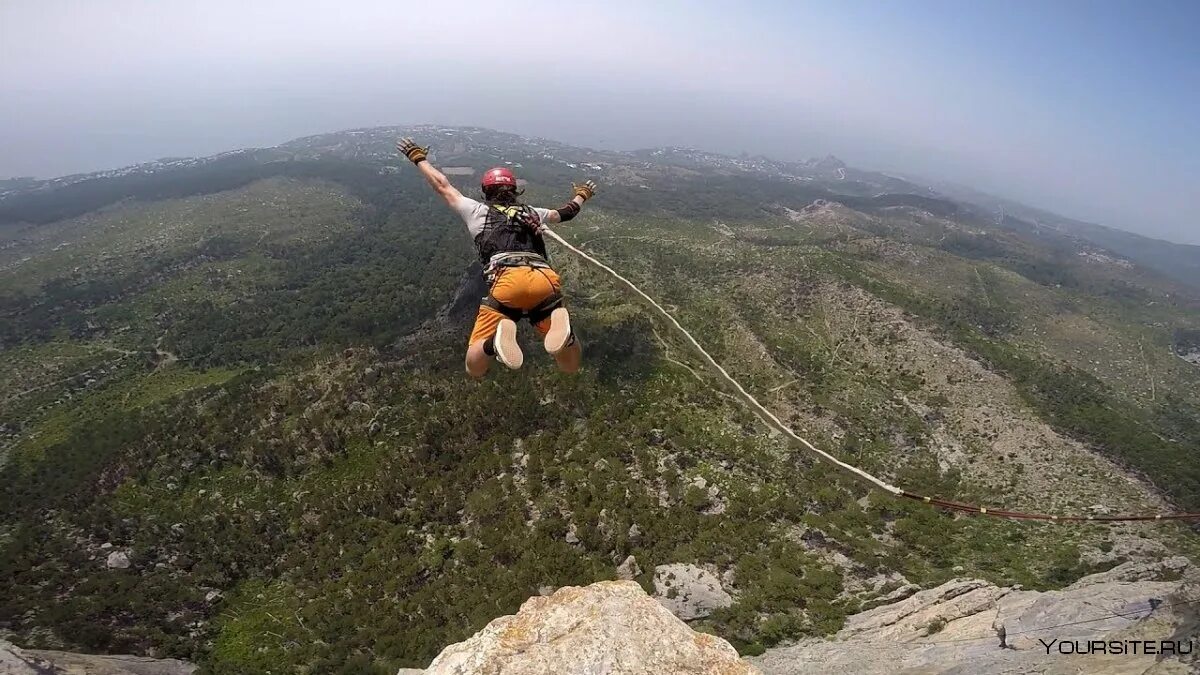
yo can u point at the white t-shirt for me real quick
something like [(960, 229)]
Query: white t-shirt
[(474, 214)]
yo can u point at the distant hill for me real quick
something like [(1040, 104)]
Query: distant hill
[(1180, 262), (31, 200), (829, 163)]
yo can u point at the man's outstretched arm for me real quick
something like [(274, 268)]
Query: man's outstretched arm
[(583, 192), (436, 179)]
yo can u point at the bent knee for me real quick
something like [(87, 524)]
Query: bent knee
[(570, 359), (475, 368)]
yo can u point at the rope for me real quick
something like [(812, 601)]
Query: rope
[(729, 378), (857, 472)]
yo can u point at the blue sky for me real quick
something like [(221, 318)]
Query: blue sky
[(1091, 109)]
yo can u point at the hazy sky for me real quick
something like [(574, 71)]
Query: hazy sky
[(1090, 108)]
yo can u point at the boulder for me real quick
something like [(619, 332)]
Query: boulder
[(628, 569), (689, 591), (117, 560), (607, 628)]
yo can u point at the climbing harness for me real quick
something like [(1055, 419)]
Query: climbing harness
[(511, 238), (533, 261), (773, 421), (509, 228)]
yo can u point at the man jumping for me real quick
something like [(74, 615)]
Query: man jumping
[(521, 283)]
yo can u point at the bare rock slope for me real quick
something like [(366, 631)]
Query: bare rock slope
[(957, 627), (17, 661)]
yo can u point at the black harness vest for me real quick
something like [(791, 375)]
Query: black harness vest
[(513, 228), (510, 228)]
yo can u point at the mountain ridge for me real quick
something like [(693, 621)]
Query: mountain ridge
[(1183, 260)]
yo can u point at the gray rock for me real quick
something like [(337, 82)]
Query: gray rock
[(690, 592), (904, 592), (628, 569), (1137, 571), (17, 661), (953, 629), (117, 560), (635, 532)]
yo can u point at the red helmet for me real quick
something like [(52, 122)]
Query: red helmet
[(498, 176)]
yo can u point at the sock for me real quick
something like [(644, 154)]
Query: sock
[(489, 346)]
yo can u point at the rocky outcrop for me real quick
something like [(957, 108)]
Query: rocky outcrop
[(959, 627), (17, 661), (607, 628), (629, 569), (690, 592)]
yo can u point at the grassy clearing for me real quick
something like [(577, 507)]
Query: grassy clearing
[(266, 213), (126, 395)]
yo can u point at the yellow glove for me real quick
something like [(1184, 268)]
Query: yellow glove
[(409, 148), (586, 189)]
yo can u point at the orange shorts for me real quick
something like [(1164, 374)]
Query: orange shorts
[(519, 287)]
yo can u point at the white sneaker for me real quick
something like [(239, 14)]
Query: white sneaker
[(508, 351), (559, 335)]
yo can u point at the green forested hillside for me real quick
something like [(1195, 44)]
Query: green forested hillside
[(246, 376)]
